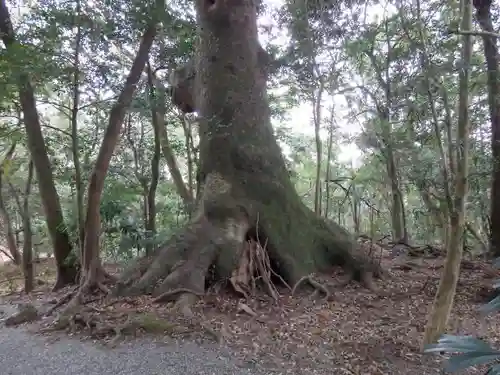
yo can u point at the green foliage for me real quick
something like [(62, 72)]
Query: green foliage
[(472, 351), (356, 50)]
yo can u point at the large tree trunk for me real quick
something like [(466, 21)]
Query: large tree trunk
[(247, 192), (483, 15), (66, 270)]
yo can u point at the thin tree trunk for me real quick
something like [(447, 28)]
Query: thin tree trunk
[(319, 148), (66, 270), (445, 295), (355, 204), (91, 262), (448, 163), (328, 163), (190, 155), (23, 208), (74, 129), (139, 174), (29, 277), (155, 164), (397, 207), (7, 222), (168, 153)]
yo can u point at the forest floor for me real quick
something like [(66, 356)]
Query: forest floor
[(355, 331)]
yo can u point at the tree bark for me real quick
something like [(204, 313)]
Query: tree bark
[(173, 168), (182, 96), (400, 232), (155, 164), (66, 269), (75, 148), (483, 16), (92, 271), (27, 256), (191, 152), (329, 162), (445, 295), (246, 189), (448, 163), (398, 215), (317, 117), (29, 276), (7, 223)]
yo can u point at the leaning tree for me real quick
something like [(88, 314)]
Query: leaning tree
[(246, 194)]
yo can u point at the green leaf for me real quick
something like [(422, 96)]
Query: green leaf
[(493, 305), (463, 361), (458, 344)]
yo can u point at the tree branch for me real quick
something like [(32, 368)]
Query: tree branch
[(474, 33)]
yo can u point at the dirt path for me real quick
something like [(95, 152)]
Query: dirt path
[(22, 352)]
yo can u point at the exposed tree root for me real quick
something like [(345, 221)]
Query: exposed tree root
[(222, 244), (255, 267), (92, 283), (63, 300), (365, 278), (135, 271), (178, 270), (316, 285), (100, 323), (177, 258), (366, 268), (172, 295)]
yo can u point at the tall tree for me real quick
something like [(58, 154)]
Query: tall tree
[(246, 187), (6, 221), (28, 272), (483, 16), (66, 269), (445, 295), (23, 206), (75, 147), (93, 274)]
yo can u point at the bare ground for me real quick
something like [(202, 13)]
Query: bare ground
[(354, 331)]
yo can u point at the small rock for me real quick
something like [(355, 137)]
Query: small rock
[(27, 313)]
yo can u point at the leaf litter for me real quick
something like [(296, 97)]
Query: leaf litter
[(353, 331)]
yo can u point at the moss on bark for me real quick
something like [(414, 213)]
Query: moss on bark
[(246, 189)]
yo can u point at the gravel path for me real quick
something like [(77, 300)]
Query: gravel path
[(22, 352)]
